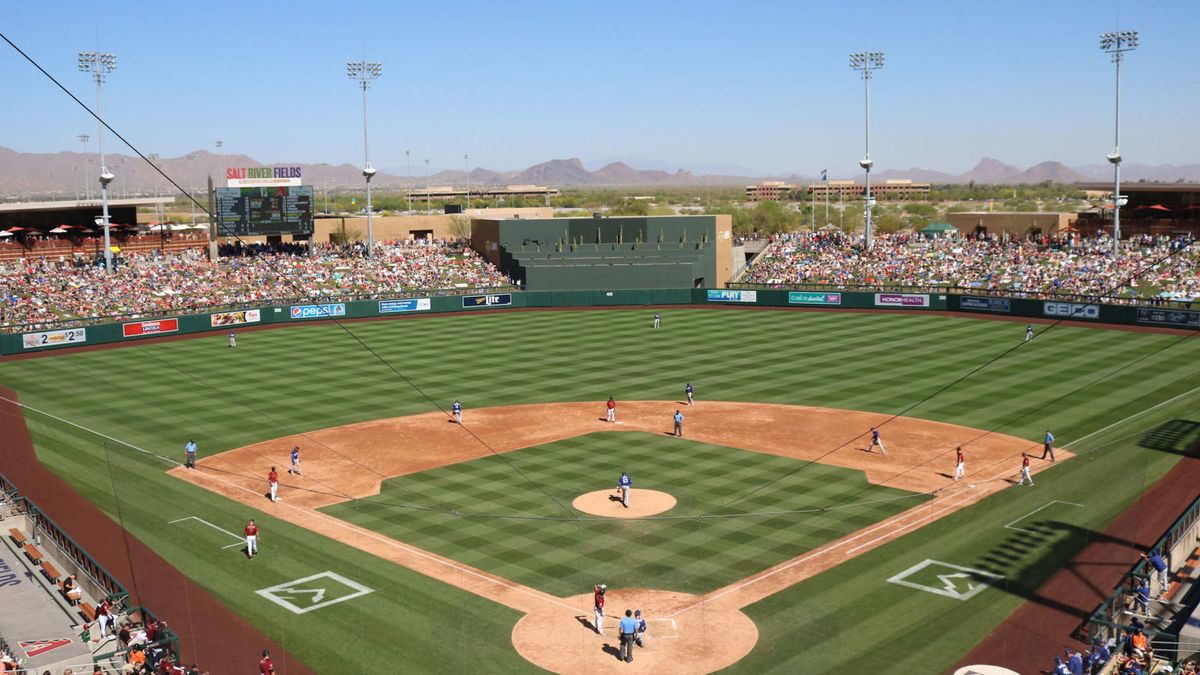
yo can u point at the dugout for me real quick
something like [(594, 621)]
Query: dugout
[(624, 252)]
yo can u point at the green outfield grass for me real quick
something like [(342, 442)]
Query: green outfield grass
[(1074, 381), (564, 555)]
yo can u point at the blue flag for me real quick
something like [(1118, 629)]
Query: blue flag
[(824, 174)]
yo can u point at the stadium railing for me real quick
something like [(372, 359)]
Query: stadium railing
[(1138, 301)]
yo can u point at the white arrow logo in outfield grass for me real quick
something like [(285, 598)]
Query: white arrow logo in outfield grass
[(299, 595), (924, 576)]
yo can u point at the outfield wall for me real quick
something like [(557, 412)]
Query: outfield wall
[(132, 331)]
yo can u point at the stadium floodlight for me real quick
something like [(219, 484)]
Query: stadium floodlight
[(866, 63), (1116, 44), (87, 188), (363, 72), (99, 65)]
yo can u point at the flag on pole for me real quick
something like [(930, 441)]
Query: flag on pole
[(825, 174)]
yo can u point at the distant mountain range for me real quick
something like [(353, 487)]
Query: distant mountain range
[(62, 174)]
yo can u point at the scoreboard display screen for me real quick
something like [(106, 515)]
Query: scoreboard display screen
[(264, 210)]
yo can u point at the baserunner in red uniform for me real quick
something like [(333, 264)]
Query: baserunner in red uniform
[(251, 539), (598, 610)]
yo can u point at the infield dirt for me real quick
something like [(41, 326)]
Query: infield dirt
[(351, 461)]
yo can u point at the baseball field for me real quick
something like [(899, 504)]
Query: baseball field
[(780, 544)]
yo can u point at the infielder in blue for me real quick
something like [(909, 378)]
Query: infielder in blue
[(1048, 447), (457, 412), (876, 441), (295, 469), (625, 484), (691, 393)]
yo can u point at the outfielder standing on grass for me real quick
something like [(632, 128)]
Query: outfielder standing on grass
[(251, 539), (598, 592), (959, 464), (1025, 470), (875, 441), (612, 410), (657, 320), (1028, 332), (273, 482), (232, 339)]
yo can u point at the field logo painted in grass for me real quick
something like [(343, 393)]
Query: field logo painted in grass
[(314, 592), (901, 300), (54, 338), (810, 298), (985, 304), (318, 311), (410, 305), (719, 295), (1169, 317), (140, 328), (945, 579), (234, 318), (1071, 310), (495, 300)]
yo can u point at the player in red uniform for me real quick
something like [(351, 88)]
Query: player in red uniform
[(265, 667), (960, 464), (612, 410), (598, 592), (251, 538), (1025, 470), (273, 481)]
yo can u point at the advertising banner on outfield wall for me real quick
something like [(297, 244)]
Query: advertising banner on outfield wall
[(718, 295), (1071, 310), (495, 300), (140, 328), (410, 305), (901, 300), (1169, 317), (809, 298), (54, 338), (985, 304), (235, 318), (325, 311)]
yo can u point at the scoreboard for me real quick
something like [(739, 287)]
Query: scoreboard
[(264, 210)]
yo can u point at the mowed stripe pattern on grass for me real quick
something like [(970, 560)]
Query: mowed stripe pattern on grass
[(283, 382)]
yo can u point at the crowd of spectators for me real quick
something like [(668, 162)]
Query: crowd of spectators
[(1145, 269), (43, 292)]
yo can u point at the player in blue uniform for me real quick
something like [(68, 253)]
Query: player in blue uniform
[(875, 441), (457, 412), (1028, 332), (625, 484), (295, 468), (657, 320), (690, 393), (640, 636), (232, 339)]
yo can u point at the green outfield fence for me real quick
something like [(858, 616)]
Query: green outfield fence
[(72, 334), (116, 592), (1178, 544)]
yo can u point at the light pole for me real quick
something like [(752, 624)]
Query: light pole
[(428, 195), (98, 65), (467, 168), (87, 188), (363, 72), (1117, 44), (866, 63), (408, 178)]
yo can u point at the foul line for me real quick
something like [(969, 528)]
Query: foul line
[(215, 527), (1133, 416), (1050, 503)]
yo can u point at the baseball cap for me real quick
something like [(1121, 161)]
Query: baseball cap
[(637, 613)]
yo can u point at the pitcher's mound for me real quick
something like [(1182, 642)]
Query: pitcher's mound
[(700, 639), (607, 503)]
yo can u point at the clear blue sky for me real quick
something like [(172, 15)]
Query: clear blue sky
[(762, 85)]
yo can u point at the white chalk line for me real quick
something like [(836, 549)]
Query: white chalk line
[(215, 527), (1049, 503), (1133, 416)]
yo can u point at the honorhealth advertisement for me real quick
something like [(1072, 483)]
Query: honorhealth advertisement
[(412, 305), (732, 296), (901, 300), (234, 318), (808, 298), (1071, 310), (985, 304), (325, 311), (54, 338), (150, 327), (1169, 317)]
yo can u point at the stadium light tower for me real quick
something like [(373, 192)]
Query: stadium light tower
[(364, 72), (1117, 44), (98, 65), (87, 189), (467, 169), (866, 63)]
